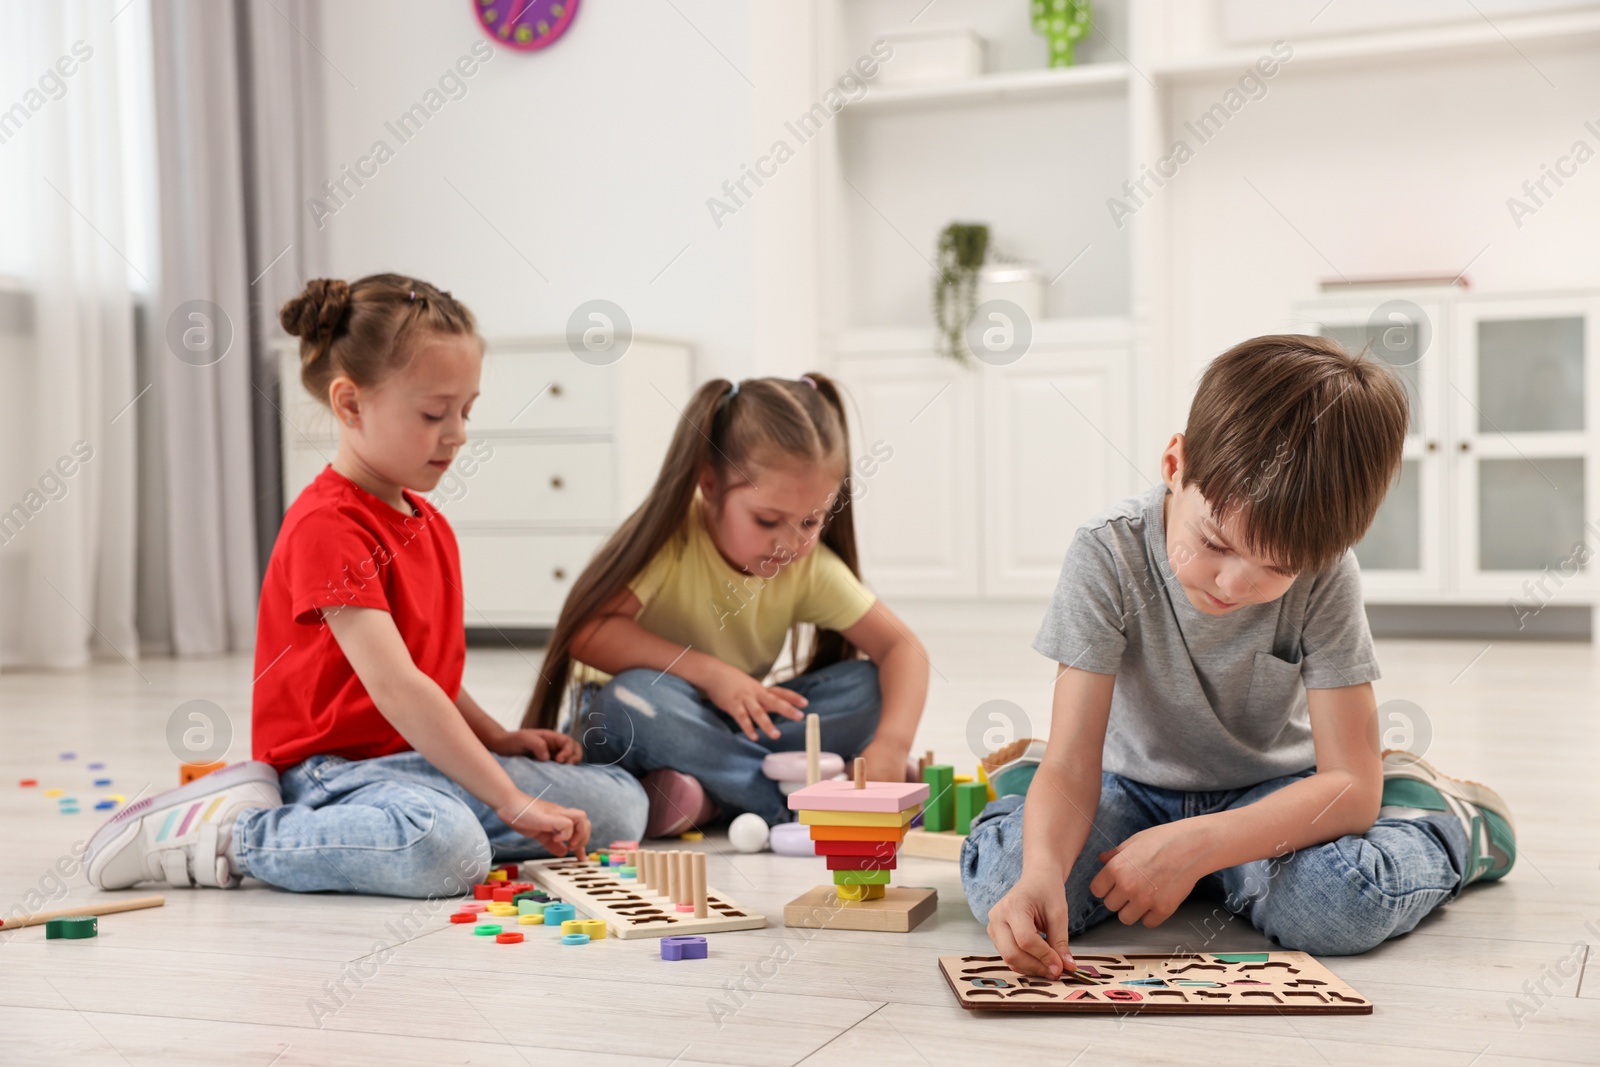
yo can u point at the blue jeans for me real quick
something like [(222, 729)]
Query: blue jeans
[(1334, 899), (397, 826), (644, 720)]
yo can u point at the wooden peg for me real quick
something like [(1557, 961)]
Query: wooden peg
[(861, 773), (672, 875), (699, 880), (685, 878), (813, 748)]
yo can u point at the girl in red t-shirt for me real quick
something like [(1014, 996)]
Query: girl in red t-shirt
[(374, 771)]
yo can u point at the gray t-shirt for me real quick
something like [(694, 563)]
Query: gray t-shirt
[(1201, 701)]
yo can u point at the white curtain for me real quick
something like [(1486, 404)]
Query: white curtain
[(73, 251), (236, 98)]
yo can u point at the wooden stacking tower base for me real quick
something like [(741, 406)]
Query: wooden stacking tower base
[(898, 911)]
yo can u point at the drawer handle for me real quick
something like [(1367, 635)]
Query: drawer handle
[(559, 574), (555, 388), (1465, 446), (556, 482)]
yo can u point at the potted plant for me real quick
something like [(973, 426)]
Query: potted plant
[(962, 248)]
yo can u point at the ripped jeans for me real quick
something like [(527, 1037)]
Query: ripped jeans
[(644, 720)]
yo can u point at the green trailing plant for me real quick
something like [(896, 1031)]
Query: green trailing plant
[(962, 248)]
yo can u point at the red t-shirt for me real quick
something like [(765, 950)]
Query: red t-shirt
[(340, 545)]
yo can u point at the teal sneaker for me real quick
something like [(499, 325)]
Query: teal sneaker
[(1010, 769), (1413, 788)]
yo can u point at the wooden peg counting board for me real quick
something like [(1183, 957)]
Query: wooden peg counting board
[(635, 907), (1218, 983)]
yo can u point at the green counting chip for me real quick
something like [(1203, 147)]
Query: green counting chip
[(72, 926), (861, 877), (486, 929)]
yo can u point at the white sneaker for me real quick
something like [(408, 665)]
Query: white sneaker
[(181, 836)]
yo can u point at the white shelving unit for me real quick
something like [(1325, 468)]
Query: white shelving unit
[(1036, 153)]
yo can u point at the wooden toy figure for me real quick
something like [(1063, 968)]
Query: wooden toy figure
[(1062, 23), (857, 828)]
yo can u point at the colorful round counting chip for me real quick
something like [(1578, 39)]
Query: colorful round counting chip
[(97, 766), (104, 805), (28, 782), (510, 937), (101, 783), (530, 920), (483, 891), (474, 906), (624, 845), (485, 929), (627, 872), (691, 835), (464, 917), (53, 792), (574, 939), (556, 914)]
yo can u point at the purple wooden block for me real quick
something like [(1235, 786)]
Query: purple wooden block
[(683, 947)]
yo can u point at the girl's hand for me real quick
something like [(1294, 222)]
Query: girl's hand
[(560, 830), (752, 704), (540, 744), (1029, 927), (886, 761), (1148, 875)]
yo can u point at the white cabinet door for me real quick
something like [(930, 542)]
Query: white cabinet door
[(915, 513), (1055, 454), (1403, 550), (1525, 395)]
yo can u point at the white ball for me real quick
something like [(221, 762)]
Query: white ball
[(748, 833)]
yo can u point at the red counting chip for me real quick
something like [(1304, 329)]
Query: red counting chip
[(483, 891), (508, 938), (464, 917)]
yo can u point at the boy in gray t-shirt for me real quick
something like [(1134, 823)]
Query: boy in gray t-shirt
[(1214, 708)]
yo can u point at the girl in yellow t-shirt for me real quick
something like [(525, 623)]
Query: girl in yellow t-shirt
[(747, 534)]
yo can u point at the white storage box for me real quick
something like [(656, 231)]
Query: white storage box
[(927, 56)]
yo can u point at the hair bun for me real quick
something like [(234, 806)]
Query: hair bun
[(318, 311)]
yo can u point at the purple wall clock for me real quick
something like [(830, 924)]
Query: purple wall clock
[(526, 25)]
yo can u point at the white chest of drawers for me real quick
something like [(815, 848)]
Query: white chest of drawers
[(559, 452)]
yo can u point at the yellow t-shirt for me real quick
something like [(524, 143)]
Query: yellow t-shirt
[(689, 594)]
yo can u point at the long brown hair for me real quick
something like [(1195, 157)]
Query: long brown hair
[(766, 420)]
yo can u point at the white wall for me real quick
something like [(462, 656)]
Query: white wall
[(1382, 170), (592, 158)]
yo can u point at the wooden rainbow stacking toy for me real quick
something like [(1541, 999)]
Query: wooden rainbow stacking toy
[(857, 827)]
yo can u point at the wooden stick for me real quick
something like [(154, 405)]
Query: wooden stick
[(672, 875), (813, 748), (700, 908), (649, 868), (685, 878), (108, 908), (861, 773)]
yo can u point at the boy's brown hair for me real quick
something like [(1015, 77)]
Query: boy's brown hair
[(1302, 438)]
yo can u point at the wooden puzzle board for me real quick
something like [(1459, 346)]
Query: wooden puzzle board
[(630, 909), (1228, 983)]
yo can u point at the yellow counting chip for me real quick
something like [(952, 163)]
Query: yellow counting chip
[(859, 818)]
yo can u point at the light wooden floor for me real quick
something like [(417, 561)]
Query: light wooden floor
[(233, 977)]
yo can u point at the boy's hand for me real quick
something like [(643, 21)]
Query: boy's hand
[(560, 830), (540, 744), (752, 704), (1029, 927), (1148, 875)]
